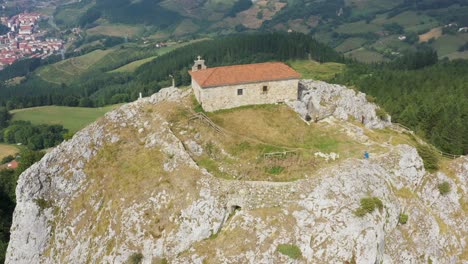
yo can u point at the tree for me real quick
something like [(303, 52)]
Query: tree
[(70, 101), (4, 29), (4, 117)]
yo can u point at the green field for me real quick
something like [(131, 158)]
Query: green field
[(116, 30), (364, 55), (350, 44), (410, 20), (448, 44), (363, 7), (314, 70), (6, 150), (68, 14), (458, 55), (72, 118), (74, 68), (132, 66), (186, 27), (357, 27), (391, 42), (66, 71)]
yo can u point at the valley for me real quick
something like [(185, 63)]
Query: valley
[(380, 30)]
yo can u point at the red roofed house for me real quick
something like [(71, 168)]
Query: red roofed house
[(25, 30), (13, 165), (233, 86)]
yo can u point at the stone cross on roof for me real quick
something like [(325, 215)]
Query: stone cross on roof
[(199, 57)]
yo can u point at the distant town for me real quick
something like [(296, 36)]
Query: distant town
[(25, 39)]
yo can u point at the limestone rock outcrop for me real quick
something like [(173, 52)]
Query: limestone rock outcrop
[(318, 100), (128, 185)]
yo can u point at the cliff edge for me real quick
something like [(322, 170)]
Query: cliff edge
[(157, 182)]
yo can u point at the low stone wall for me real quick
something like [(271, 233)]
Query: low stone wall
[(225, 97)]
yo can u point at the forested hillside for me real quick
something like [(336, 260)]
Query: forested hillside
[(99, 86), (369, 31), (429, 97)]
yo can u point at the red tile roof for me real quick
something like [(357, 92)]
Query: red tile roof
[(248, 73), (13, 165)]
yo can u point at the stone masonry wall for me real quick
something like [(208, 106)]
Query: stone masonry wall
[(225, 97), (197, 90)]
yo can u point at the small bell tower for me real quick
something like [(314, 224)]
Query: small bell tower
[(199, 64)]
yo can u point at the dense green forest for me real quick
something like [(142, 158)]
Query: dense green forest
[(35, 137), (144, 11), (428, 96)]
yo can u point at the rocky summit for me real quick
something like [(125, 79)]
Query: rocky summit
[(157, 182)]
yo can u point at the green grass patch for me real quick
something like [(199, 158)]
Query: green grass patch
[(381, 113), (448, 44), (116, 30), (457, 55), (409, 20), (241, 147), (405, 193), (270, 148), (358, 27), (444, 188), (250, 132), (68, 14), (403, 219), (196, 106), (135, 258), (391, 43), (365, 7), (132, 66), (364, 55), (68, 70), (368, 205), (6, 150), (212, 167), (122, 58), (275, 170), (350, 44), (314, 70), (289, 250), (42, 204), (325, 144), (72, 118)]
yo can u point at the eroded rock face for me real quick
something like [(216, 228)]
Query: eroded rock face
[(319, 99), (126, 184)]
